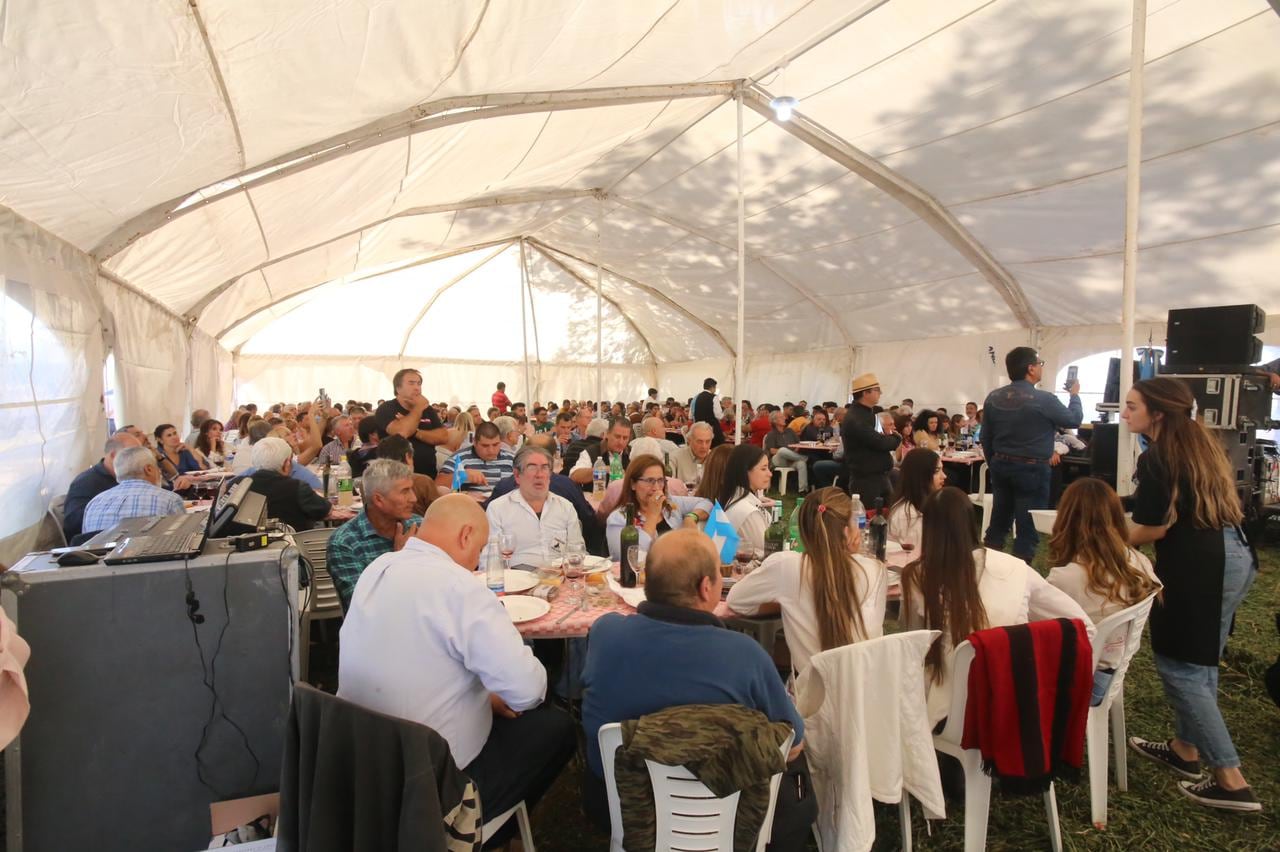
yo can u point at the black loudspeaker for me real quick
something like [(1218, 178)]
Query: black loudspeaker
[(1218, 336)]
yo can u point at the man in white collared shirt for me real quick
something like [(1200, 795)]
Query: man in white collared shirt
[(536, 517), (425, 640)]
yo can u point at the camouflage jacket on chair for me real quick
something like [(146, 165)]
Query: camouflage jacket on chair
[(728, 747)]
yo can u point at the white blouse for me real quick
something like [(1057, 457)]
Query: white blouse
[(1012, 593), (1074, 581), (748, 518), (780, 579), (906, 524), (677, 508)]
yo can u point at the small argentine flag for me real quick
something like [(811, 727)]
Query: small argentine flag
[(459, 478), (722, 533)]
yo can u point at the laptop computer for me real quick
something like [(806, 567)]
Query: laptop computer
[(162, 538)]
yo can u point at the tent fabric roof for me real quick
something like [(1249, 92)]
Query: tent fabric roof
[(251, 166)]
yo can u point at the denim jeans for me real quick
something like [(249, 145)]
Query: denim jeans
[(1192, 690), (825, 472), (1016, 489)]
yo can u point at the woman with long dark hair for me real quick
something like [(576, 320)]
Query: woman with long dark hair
[(829, 595), (1094, 564), (1186, 504), (921, 474), (209, 442), (957, 586), (746, 477), (928, 430), (713, 472)]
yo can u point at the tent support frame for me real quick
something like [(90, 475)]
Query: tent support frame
[(1132, 207), (740, 359)]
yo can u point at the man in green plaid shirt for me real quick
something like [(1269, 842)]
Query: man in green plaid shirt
[(385, 524)]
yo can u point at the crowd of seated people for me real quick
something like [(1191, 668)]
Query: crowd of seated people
[(530, 477)]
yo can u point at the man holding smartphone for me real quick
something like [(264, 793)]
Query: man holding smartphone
[(1019, 422), (410, 415)]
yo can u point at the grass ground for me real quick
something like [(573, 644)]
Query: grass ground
[(1152, 815)]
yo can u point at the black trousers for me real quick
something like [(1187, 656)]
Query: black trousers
[(520, 761), (869, 488), (793, 815)]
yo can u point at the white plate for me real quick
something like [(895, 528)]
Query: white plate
[(633, 597), (523, 608), (514, 582), (596, 564)]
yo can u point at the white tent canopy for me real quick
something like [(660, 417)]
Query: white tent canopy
[(252, 200)]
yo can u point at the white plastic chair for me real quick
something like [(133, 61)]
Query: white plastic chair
[(689, 816), (1129, 622), (322, 601), (784, 472), (522, 818), (977, 784)]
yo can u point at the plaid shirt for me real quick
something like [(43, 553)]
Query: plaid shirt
[(350, 550), (333, 452), (133, 498)]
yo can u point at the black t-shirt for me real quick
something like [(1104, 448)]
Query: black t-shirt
[(424, 454), (1190, 561)]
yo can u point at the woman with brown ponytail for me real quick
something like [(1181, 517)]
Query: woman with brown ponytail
[(829, 595), (1186, 503)]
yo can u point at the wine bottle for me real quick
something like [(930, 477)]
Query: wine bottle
[(629, 536), (776, 533), (879, 530)]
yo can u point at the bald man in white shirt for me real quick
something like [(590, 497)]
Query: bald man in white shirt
[(424, 639)]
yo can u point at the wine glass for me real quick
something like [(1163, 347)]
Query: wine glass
[(574, 556), (506, 547), (744, 556)]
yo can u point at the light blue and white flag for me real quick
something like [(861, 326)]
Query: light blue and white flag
[(722, 533), (459, 477)]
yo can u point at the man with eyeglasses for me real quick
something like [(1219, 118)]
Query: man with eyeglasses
[(542, 523), (1019, 422)]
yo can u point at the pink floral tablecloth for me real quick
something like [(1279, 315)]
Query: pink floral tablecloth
[(578, 623)]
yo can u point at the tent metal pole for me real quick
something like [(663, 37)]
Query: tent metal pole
[(599, 300), (740, 378), (524, 325), (1132, 204)]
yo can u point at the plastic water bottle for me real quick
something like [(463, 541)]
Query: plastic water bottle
[(599, 476), (494, 576), (346, 486), (793, 527), (857, 510)]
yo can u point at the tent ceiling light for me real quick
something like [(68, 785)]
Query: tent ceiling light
[(783, 106)]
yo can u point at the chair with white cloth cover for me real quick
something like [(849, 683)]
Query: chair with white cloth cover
[(983, 498), (867, 736), (322, 600), (1128, 622), (689, 816), (977, 784)]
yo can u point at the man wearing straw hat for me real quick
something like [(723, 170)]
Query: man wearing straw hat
[(868, 445)]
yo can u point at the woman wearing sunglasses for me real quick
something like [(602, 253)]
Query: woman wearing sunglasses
[(644, 490)]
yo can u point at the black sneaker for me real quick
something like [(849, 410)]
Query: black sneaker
[(1163, 754), (1211, 795)]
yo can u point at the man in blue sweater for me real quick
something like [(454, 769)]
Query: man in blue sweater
[(1019, 422), (675, 651)]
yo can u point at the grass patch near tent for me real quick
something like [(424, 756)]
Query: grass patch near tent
[(1152, 815)]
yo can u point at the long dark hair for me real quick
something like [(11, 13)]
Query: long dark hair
[(635, 470), (946, 575), (922, 422), (203, 443), (1190, 456), (915, 479), (713, 472), (736, 481)]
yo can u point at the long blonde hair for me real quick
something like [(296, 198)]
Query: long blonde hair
[(1188, 454), (1090, 531), (830, 570)]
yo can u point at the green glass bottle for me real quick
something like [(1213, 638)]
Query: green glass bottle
[(793, 531), (775, 536), (629, 536)]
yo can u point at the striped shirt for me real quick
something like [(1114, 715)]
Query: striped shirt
[(494, 471), (132, 498)]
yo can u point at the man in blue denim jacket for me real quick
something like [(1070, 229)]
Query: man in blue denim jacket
[(1018, 424)]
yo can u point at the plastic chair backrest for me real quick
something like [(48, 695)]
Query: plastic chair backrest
[(689, 816), (962, 659), (1131, 622), (312, 545)]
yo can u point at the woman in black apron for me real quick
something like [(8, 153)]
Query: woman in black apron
[(1186, 503)]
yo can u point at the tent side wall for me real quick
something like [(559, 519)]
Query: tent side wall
[(266, 379), (51, 355)]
